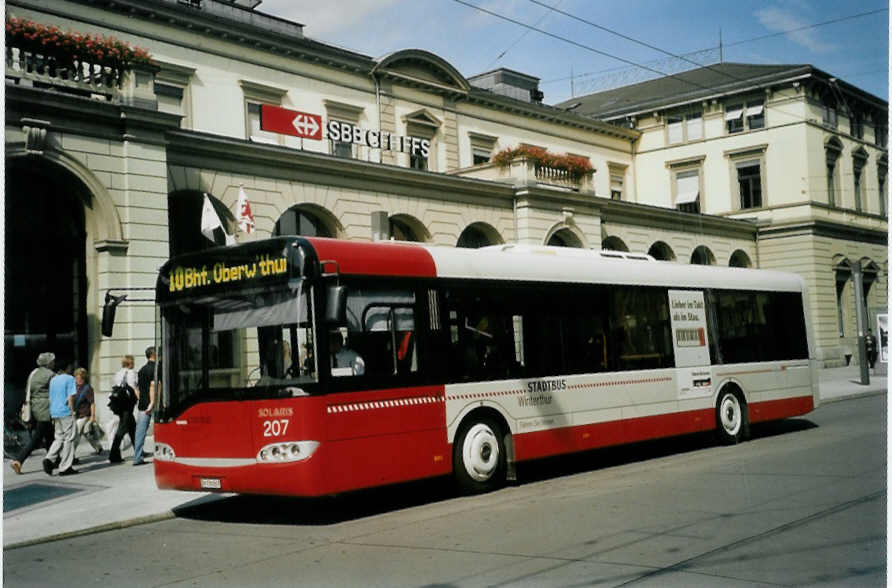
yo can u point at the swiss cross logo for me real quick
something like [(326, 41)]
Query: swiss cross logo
[(290, 122)]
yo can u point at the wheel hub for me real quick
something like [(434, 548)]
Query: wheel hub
[(480, 452)]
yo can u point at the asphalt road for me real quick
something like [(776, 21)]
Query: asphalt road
[(802, 503)]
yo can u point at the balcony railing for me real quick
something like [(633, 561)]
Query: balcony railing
[(134, 85), (525, 171)]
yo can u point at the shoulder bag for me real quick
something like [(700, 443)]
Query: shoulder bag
[(25, 413)]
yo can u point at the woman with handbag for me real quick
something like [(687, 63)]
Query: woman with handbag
[(37, 403), (84, 412), (124, 380)]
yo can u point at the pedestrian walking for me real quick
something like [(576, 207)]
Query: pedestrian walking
[(121, 402), (62, 392), (871, 344), (84, 412), (146, 392), (38, 397)]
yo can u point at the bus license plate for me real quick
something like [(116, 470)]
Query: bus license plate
[(211, 483)]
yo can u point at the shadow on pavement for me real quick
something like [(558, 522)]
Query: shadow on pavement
[(278, 510), (328, 510)]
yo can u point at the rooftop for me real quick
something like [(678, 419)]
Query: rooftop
[(699, 84)]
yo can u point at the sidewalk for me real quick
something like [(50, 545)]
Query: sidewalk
[(40, 508)]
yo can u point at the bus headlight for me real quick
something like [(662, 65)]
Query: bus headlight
[(287, 451), (164, 452)]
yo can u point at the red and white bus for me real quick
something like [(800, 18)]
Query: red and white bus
[(309, 366)]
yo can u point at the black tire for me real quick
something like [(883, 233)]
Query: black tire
[(731, 418), (479, 460)]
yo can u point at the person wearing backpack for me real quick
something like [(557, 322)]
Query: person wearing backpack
[(122, 400)]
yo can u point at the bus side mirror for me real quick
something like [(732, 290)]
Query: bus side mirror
[(108, 312), (336, 305)]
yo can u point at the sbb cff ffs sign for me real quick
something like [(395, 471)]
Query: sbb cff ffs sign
[(290, 122)]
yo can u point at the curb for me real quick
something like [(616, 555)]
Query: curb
[(165, 516), (856, 395)]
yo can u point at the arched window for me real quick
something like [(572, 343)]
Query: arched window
[(661, 251), (299, 221), (401, 231), (404, 227), (740, 259), (702, 256), (478, 235), (614, 244), (564, 238)]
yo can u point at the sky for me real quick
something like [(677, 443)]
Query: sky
[(572, 56)]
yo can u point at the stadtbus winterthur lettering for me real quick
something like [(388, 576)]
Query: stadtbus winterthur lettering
[(185, 278)]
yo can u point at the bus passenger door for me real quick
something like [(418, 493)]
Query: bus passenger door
[(690, 340)]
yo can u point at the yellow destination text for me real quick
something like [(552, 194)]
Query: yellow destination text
[(186, 278)]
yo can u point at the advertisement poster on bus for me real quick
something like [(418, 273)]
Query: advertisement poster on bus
[(687, 309), (883, 336)]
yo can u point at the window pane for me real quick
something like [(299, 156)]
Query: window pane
[(380, 336), (760, 326), (749, 180), (675, 129), (255, 134), (480, 156), (755, 115), (694, 124), (640, 335), (342, 149)]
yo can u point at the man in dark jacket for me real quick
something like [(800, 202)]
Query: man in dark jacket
[(43, 432), (145, 389)]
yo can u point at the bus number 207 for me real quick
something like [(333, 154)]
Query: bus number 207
[(275, 428)]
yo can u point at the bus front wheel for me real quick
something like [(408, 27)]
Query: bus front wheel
[(731, 417), (479, 456)]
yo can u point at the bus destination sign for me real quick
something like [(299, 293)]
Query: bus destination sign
[(186, 278)]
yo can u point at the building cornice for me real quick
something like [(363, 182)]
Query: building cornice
[(659, 217), (86, 116), (822, 228), (238, 156)]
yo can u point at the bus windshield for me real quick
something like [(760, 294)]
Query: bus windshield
[(240, 344)]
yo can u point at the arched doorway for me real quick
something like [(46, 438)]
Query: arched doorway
[(478, 235), (661, 251), (702, 256), (740, 259), (304, 220), (45, 270), (614, 244)]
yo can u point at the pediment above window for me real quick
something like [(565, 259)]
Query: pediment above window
[(422, 124)]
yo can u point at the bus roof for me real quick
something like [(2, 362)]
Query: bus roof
[(542, 263), (259, 263)]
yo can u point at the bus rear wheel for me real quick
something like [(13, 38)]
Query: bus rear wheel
[(479, 456), (731, 417)]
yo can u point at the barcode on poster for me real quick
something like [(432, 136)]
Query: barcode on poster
[(690, 337)]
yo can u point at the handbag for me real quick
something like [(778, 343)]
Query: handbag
[(95, 432), (25, 413)]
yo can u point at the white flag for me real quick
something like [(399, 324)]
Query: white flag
[(244, 215), (211, 222)]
